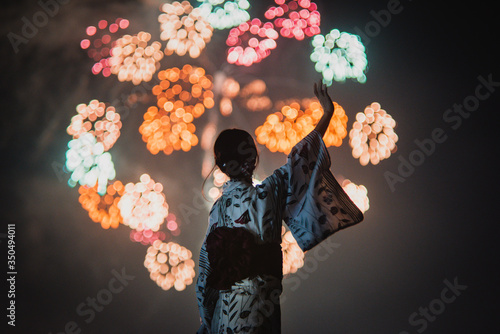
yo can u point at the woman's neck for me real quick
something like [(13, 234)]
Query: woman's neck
[(243, 179)]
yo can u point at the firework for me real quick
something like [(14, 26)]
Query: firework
[(161, 134), (188, 89), (89, 164), (251, 42), (358, 194), (103, 209), (339, 56), (372, 136), (170, 265), (185, 29), (223, 14), (100, 42), (302, 18), (285, 128), (97, 119), (132, 59), (337, 129), (143, 205), (182, 95)]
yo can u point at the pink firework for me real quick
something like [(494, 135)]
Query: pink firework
[(296, 18), (251, 42), (100, 42)]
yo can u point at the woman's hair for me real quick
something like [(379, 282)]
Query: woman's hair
[(236, 153)]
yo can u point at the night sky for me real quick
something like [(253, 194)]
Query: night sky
[(423, 260)]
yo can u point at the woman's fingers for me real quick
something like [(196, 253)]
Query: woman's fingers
[(321, 90), (317, 89)]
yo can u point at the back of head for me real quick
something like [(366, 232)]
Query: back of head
[(235, 153)]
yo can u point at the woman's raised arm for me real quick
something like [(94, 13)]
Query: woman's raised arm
[(321, 92)]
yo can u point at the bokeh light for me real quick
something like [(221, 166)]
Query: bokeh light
[(143, 205), (339, 56), (173, 225), (147, 237), (182, 95), (254, 95), (251, 42), (358, 194), (372, 136), (337, 129), (95, 118), (160, 133), (283, 129), (170, 265), (100, 42), (219, 178), (103, 209), (132, 59), (229, 90), (185, 29), (223, 14), (184, 91), (89, 164), (302, 18), (293, 256), (206, 143)]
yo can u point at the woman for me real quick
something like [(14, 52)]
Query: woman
[(239, 282)]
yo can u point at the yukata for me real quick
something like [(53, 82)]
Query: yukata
[(304, 194)]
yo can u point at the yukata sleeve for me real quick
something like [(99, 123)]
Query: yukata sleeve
[(316, 205), (207, 297)]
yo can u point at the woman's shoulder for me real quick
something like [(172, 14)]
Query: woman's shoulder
[(276, 177)]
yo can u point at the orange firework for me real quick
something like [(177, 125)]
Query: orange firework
[(103, 209), (184, 28), (372, 136), (160, 133), (132, 59), (337, 129), (186, 90), (285, 128), (170, 265), (182, 95), (101, 121)]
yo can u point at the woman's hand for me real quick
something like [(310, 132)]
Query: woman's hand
[(321, 92)]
